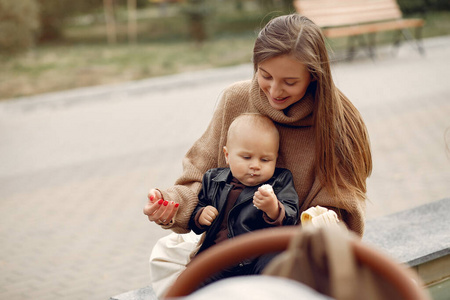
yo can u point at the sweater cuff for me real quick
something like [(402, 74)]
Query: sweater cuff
[(280, 219)]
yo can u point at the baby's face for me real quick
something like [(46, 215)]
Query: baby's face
[(252, 156)]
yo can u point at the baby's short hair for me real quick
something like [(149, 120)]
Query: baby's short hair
[(256, 120)]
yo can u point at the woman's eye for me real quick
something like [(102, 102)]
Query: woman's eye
[(265, 75), (290, 83)]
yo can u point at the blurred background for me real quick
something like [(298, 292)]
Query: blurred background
[(100, 42), (99, 101)]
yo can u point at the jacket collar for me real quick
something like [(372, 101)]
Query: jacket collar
[(223, 175)]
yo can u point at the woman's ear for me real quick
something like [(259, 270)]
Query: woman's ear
[(225, 151)]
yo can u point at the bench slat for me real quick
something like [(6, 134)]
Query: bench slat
[(330, 4), (361, 18), (327, 13), (371, 28)]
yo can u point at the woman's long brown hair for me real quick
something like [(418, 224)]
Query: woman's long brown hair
[(343, 155)]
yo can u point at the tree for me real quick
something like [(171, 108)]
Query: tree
[(19, 24), (196, 12), (110, 20), (53, 14)]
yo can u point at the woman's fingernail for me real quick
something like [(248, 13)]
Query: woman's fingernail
[(160, 201), (177, 204), (151, 198), (166, 202)]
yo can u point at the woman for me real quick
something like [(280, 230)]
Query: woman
[(323, 140)]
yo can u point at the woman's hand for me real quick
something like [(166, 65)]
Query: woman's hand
[(208, 215), (266, 200), (159, 210)]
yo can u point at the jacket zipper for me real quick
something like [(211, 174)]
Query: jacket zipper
[(230, 230)]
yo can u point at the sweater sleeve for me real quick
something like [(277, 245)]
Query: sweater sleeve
[(206, 153)]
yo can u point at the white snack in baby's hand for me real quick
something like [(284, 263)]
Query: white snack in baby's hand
[(267, 187), (318, 216)]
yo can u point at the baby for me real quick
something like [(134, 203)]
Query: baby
[(250, 194)]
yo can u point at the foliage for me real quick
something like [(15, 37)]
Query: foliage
[(53, 14), (437, 5), (18, 25), (61, 67), (170, 22), (163, 47), (196, 13), (422, 6)]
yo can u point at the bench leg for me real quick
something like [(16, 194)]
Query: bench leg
[(397, 41), (350, 48), (371, 45), (417, 41), (360, 41)]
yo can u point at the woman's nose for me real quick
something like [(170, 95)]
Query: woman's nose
[(275, 90)]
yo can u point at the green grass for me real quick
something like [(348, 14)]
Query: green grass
[(86, 60), (61, 67)]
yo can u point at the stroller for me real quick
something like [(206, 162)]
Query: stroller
[(331, 262)]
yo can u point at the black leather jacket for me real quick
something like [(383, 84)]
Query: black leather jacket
[(243, 216)]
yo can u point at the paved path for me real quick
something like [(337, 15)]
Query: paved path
[(75, 167)]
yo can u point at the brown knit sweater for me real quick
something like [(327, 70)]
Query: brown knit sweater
[(297, 148)]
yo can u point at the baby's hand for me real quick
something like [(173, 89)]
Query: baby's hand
[(266, 200), (208, 215)]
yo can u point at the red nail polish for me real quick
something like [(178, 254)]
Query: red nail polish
[(177, 204), (151, 198), (160, 201), (166, 202)]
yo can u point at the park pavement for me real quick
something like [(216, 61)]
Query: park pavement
[(75, 166)]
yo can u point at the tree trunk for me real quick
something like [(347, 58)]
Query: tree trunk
[(132, 25), (110, 21)]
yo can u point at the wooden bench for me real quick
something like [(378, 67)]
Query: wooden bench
[(357, 18)]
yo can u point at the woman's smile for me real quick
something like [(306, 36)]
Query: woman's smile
[(280, 100)]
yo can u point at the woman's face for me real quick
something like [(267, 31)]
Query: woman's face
[(284, 80)]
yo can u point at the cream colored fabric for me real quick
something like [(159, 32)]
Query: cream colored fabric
[(255, 288), (169, 258)]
